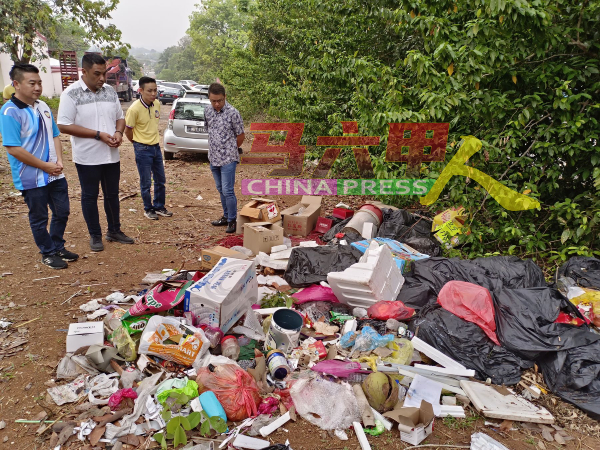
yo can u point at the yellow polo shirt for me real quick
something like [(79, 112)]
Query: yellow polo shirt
[(8, 91), (143, 120)]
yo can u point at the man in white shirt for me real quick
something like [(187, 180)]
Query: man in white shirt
[(91, 113)]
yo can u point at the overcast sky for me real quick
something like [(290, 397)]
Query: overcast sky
[(154, 24)]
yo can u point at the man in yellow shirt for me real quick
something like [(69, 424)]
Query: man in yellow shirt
[(141, 128), (8, 91)]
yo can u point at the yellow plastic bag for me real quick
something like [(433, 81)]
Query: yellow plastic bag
[(402, 350), (589, 301)]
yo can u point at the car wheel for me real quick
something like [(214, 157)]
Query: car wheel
[(168, 155)]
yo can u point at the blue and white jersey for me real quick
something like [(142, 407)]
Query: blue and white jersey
[(32, 128)]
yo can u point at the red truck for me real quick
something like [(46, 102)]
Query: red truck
[(119, 76)]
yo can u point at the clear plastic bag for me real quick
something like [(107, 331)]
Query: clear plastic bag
[(337, 413), (367, 340)]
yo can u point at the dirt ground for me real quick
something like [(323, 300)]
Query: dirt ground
[(41, 302)]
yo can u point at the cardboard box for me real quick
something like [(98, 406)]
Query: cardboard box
[(262, 236), (342, 213), (323, 225), (84, 334), (258, 210), (211, 256), (302, 223), (224, 294), (415, 424)]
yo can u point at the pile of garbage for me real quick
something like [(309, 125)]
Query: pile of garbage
[(367, 315)]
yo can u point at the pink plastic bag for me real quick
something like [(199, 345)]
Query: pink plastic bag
[(160, 297), (315, 293), (472, 303), (118, 400), (337, 368), (385, 310), (235, 389)]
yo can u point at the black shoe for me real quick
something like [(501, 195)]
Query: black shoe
[(219, 223), (163, 212), (54, 262), (66, 255), (231, 226), (120, 237), (96, 244), (150, 214)]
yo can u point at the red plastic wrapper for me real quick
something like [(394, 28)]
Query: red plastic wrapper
[(385, 310), (268, 406), (235, 389), (119, 400), (567, 318), (472, 303)]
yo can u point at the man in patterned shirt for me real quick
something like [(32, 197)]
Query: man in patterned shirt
[(35, 155), (91, 113), (225, 138)]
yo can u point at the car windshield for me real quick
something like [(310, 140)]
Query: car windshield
[(189, 111)]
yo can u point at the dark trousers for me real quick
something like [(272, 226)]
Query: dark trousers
[(56, 196), (149, 161), (91, 178)]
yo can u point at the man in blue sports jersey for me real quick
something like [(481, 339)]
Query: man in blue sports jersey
[(30, 136)]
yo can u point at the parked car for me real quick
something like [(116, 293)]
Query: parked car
[(169, 95), (202, 88), (170, 84), (187, 131), (190, 83), (196, 94)]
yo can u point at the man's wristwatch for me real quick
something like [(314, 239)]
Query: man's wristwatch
[(97, 137)]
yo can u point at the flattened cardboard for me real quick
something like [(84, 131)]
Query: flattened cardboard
[(262, 236), (301, 224), (211, 256)]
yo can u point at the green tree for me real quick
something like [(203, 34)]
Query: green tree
[(521, 75), (22, 20), (69, 36), (135, 65)]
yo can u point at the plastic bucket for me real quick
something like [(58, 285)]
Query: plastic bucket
[(284, 330), (366, 214)]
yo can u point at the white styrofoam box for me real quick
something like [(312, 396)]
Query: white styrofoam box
[(374, 278)]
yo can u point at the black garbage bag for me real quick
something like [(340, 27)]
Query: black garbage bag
[(337, 228), (310, 265), (525, 322), (514, 272), (574, 375), (467, 344), (412, 230), (585, 271)]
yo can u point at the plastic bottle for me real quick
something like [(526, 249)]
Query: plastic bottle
[(212, 406), (277, 364), (230, 347)]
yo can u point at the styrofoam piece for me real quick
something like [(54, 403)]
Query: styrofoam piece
[(448, 400), (445, 386), (453, 411), (308, 244), (434, 353), (349, 325), (467, 373), (282, 255), (368, 230), (278, 248), (360, 435), (375, 277), (481, 441), (386, 423), (268, 429), (265, 260), (267, 311), (252, 443), (270, 279), (447, 379)]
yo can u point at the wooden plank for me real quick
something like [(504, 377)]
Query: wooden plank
[(495, 405), (435, 354)]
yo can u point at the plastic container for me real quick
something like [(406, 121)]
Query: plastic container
[(230, 347), (366, 214), (277, 364), (211, 405), (213, 334)]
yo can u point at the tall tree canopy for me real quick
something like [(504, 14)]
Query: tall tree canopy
[(22, 20)]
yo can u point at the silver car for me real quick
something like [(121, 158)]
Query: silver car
[(187, 131)]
